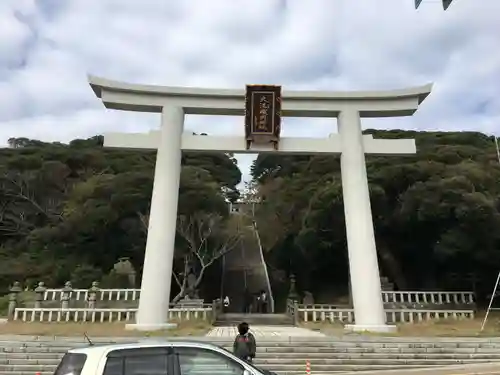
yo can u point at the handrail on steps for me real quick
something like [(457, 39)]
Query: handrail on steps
[(264, 264)]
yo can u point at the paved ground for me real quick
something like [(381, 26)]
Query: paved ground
[(266, 332), (469, 369)]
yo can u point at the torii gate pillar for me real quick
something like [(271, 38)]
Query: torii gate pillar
[(348, 107)]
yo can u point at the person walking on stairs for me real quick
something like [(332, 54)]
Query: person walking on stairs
[(226, 303), (244, 346), (248, 300), (263, 302)]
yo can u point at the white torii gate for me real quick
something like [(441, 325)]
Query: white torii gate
[(446, 3), (175, 102)]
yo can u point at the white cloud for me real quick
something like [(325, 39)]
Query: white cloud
[(48, 46)]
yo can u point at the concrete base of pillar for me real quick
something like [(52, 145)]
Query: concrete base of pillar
[(386, 328), (3, 321), (149, 327)]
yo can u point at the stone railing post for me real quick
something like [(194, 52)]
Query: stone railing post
[(39, 294), (288, 310), (66, 295), (292, 310), (216, 309), (296, 312), (93, 292), (14, 298)]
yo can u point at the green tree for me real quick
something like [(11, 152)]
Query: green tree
[(64, 207), (434, 213)]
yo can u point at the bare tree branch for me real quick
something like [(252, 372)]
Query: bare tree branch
[(23, 194), (176, 278), (182, 285), (144, 220), (207, 238)]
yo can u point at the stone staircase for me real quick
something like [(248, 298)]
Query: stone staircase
[(243, 269), (30, 355), (253, 320), (233, 286)]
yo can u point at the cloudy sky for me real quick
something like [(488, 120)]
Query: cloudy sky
[(47, 47)]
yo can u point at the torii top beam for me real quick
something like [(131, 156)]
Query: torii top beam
[(203, 101)]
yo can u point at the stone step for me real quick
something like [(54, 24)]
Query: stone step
[(57, 350), (34, 358), (354, 340), (254, 321), (272, 362), (291, 342), (29, 356), (33, 369), (368, 349), (278, 350), (349, 346), (326, 356), (288, 372), (373, 346), (63, 346), (225, 323), (45, 363), (385, 351), (281, 344), (305, 351), (346, 338)]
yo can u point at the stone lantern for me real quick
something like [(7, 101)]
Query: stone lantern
[(39, 294), (93, 292), (66, 295), (14, 298), (292, 293)]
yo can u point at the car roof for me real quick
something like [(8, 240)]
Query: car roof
[(149, 343)]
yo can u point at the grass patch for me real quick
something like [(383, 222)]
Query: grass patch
[(434, 328), (183, 329)]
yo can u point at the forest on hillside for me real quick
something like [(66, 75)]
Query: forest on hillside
[(70, 212), (436, 214)]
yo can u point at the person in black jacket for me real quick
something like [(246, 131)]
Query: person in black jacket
[(244, 346), (248, 301)]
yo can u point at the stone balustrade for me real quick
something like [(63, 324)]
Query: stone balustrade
[(90, 305), (415, 316), (103, 295), (397, 297), (98, 315), (428, 297), (80, 305), (323, 313)]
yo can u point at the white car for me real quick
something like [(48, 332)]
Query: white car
[(155, 358)]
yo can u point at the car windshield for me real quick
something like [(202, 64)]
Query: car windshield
[(71, 364)]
